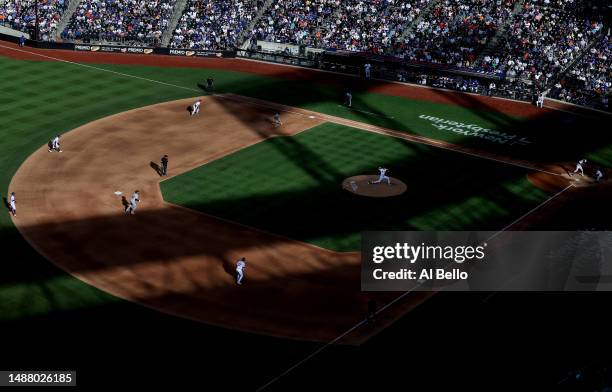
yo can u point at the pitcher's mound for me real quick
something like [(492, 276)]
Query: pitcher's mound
[(360, 185)]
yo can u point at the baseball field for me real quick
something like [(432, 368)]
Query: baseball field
[(240, 187)]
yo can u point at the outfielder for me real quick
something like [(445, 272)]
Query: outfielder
[(12, 206), (131, 210), (240, 266), (368, 69), (382, 176), (195, 108), (580, 167), (276, 120), (348, 98)]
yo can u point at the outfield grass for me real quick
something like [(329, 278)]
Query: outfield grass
[(292, 186)]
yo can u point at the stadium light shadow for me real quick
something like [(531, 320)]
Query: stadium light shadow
[(547, 127)]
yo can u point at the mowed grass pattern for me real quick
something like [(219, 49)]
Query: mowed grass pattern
[(292, 186)]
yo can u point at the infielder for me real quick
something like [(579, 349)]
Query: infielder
[(598, 175), (382, 176), (12, 206), (195, 108), (276, 120), (540, 101), (164, 165), (55, 144), (240, 266), (580, 167), (131, 210)]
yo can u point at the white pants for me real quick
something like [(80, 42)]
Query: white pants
[(579, 169), (13, 208), (131, 208), (239, 276), (381, 179)]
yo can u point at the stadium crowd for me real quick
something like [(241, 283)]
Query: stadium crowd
[(589, 82), (20, 15), (527, 44), (542, 40), (213, 24), (455, 31), (125, 21), (369, 25), (295, 21)]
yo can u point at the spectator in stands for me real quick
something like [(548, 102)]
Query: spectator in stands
[(20, 15), (120, 21), (213, 24)]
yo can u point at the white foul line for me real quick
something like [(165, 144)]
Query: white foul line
[(100, 69), (530, 211)]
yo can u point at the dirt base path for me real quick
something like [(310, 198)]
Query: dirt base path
[(174, 259)]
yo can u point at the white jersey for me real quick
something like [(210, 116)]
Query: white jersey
[(240, 265), (382, 171), (196, 105), (135, 198), (12, 202)]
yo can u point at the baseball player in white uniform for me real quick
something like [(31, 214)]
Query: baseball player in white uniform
[(348, 98), (598, 175), (12, 206), (55, 144), (240, 266), (131, 210), (276, 120), (580, 167), (195, 108), (382, 176), (368, 69)]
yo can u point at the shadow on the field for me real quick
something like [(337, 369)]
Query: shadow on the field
[(125, 203), (554, 136), (156, 167), (228, 267), (6, 203)]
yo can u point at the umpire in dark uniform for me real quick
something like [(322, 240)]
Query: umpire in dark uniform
[(164, 165), (210, 84)]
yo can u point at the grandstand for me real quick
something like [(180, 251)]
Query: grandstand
[(556, 47)]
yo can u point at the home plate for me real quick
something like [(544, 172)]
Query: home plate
[(311, 117), (118, 193)]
